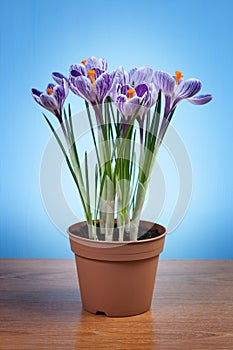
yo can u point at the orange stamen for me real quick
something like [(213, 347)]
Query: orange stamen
[(91, 74), (84, 62), (50, 91), (130, 93), (179, 75)]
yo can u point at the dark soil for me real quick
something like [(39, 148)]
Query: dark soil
[(141, 233), (149, 234)]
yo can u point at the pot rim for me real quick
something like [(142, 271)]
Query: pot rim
[(88, 241)]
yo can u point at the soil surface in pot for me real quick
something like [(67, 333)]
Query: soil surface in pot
[(83, 232)]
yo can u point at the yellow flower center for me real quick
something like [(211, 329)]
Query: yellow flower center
[(130, 93), (84, 62), (179, 75), (91, 74), (49, 90)]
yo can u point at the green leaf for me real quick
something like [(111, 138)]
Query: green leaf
[(126, 136), (68, 163), (95, 198), (155, 122), (93, 134), (87, 189), (67, 127)]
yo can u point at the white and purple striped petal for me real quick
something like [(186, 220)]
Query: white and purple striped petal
[(82, 87), (58, 77), (186, 89), (77, 70), (61, 91), (164, 82), (36, 95), (96, 63), (127, 107), (102, 86), (140, 75), (200, 99), (121, 76), (49, 102)]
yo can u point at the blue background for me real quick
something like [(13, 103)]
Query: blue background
[(38, 37)]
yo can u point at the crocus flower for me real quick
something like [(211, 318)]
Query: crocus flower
[(136, 76), (53, 98), (90, 80), (175, 89), (129, 99), (132, 89)]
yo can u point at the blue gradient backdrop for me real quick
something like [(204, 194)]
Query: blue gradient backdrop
[(38, 37)]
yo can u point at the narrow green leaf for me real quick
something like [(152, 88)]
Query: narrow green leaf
[(68, 163), (96, 209), (155, 122), (67, 127), (87, 187), (126, 136), (93, 134), (147, 133)]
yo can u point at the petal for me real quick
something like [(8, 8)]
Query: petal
[(127, 107), (201, 99), (148, 93), (131, 73), (65, 85), (167, 108), (131, 106), (36, 95), (50, 86), (82, 87), (153, 94), (49, 102), (188, 88), (120, 101), (58, 77), (103, 85), (77, 70), (96, 63), (36, 92), (98, 72), (164, 82), (121, 76), (140, 75), (142, 90), (60, 93), (124, 89)]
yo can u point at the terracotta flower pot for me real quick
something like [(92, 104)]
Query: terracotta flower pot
[(117, 278)]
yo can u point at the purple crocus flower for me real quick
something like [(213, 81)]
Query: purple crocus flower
[(129, 99), (53, 98), (175, 89), (90, 80), (130, 90), (136, 76)]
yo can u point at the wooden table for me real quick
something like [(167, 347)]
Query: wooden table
[(40, 308)]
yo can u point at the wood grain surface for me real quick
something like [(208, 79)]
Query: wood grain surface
[(40, 308)]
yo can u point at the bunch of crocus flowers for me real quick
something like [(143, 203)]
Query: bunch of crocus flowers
[(130, 108)]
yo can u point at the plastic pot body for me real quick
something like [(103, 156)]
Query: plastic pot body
[(117, 278)]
